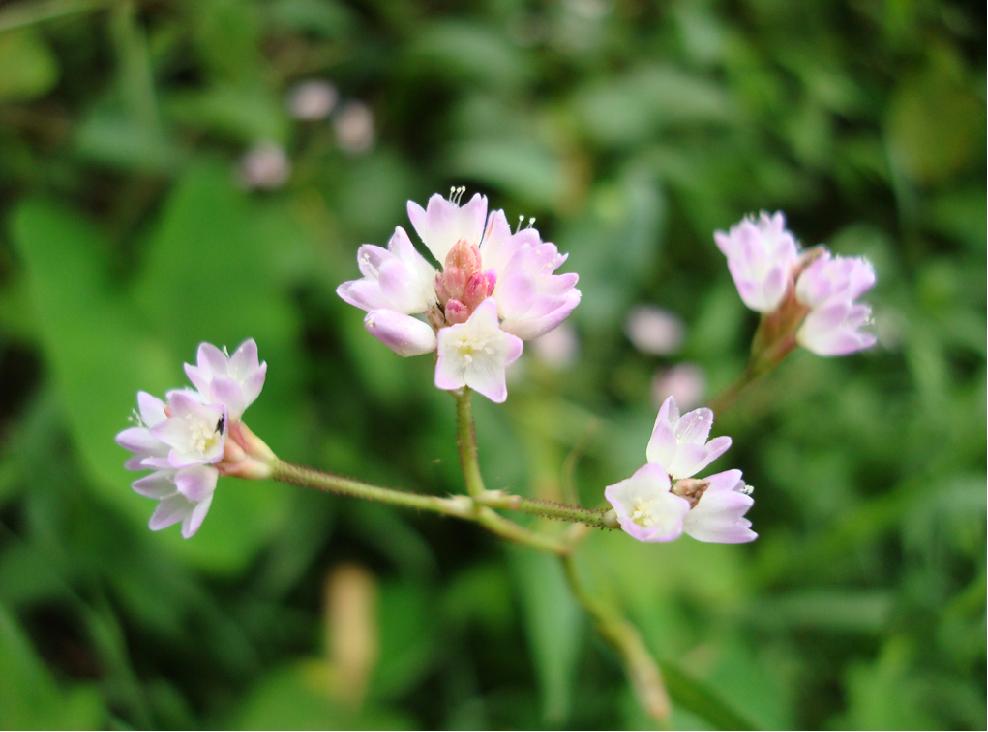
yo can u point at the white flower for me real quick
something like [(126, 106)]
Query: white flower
[(194, 432), (476, 353), (646, 508)]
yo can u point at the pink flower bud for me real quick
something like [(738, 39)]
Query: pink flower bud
[(403, 334), (456, 312), (463, 256), (477, 289)]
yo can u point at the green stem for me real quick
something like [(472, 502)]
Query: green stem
[(640, 667), (460, 507), (600, 518), (466, 440), (330, 483)]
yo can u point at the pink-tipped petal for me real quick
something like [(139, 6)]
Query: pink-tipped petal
[(403, 334)]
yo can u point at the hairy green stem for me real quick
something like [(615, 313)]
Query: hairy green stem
[(600, 518), (461, 507), (624, 638), (466, 440), (330, 483)]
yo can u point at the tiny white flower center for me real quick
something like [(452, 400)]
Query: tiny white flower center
[(468, 346), (641, 514), (203, 435)]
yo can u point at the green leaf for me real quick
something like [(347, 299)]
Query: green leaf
[(30, 69), (554, 628), (30, 697)]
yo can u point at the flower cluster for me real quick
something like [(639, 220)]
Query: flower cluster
[(192, 436), (663, 500), (495, 288), (807, 296)]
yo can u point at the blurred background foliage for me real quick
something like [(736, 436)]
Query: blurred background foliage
[(165, 179)]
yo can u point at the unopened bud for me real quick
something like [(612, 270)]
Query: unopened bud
[(456, 312)]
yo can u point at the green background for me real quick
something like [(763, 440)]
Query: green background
[(631, 131)]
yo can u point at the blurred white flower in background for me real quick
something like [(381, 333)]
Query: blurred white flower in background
[(355, 127), (312, 99), (558, 348), (685, 382), (654, 331), (265, 166)]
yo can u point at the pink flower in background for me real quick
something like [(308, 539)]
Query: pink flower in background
[(193, 437), (654, 331), (481, 259), (828, 286), (476, 353), (354, 126), (680, 442), (761, 254), (312, 99), (685, 382), (662, 500)]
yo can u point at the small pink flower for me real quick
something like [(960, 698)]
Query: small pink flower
[(718, 515), (193, 431), (661, 501), (761, 254), (444, 222), (184, 496), (828, 287), (680, 442), (476, 353), (481, 259), (397, 278), (193, 437), (233, 381), (140, 440)]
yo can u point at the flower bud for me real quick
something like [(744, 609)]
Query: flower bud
[(403, 334), (456, 312)]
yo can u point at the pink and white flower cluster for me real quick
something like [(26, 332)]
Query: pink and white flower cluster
[(663, 500), (810, 290), (495, 288), (192, 436)]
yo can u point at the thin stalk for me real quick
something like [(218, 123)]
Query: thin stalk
[(330, 483), (640, 667), (600, 518), (466, 440), (460, 507)]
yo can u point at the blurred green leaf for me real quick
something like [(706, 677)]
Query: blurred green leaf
[(30, 698), (553, 624), (30, 69)]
